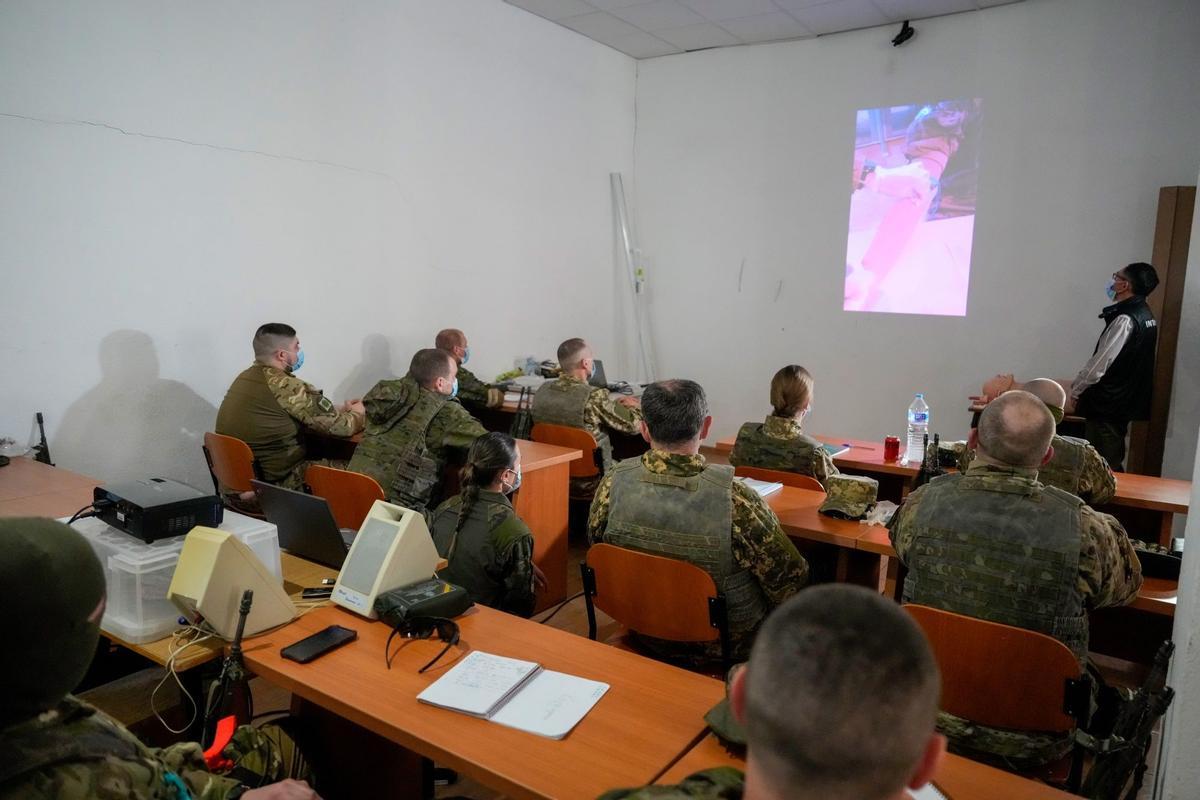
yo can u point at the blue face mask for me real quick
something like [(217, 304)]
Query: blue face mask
[(466, 354), (454, 388), (516, 483), (299, 361), (592, 371), (1111, 290)]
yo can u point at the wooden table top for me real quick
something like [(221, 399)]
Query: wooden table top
[(536, 455), (652, 714), (30, 488), (959, 778), (1133, 491), (797, 512)]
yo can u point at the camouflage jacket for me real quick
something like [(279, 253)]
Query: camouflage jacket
[(819, 464), (492, 555), (474, 392), (601, 411), (1096, 485), (1109, 575), (384, 442), (719, 783), (74, 752), (758, 541), (267, 407)]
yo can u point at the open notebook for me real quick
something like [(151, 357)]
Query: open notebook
[(519, 694), (836, 450), (928, 792), (763, 488)]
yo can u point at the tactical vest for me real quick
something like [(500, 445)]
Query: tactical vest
[(251, 413), (399, 454), (998, 550), (1123, 393), (1066, 468), (756, 448), (562, 403), (474, 549), (688, 518)]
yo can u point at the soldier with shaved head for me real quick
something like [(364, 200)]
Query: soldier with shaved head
[(472, 392), (997, 544)]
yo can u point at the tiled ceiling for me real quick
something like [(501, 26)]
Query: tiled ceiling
[(649, 28)]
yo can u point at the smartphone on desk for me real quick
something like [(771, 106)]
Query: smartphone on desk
[(319, 644)]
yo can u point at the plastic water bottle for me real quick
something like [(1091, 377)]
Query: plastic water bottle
[(918, 429)]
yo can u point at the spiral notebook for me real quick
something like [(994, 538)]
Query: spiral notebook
[(516, 693)]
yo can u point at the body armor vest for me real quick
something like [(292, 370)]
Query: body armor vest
[(689, 518), (1065, 469), (1000, 551), (562, 403), (756, 448)]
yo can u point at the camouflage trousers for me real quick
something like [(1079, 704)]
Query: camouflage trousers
[(266, 754)]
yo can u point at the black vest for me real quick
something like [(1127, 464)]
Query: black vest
[(1123, 394)]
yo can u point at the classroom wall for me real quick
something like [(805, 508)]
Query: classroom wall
[(176, 174), (743, 181)]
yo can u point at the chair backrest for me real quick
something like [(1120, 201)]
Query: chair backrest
[(1003, 676), (780, 476), (628, 586), (574, 438), (230, 461), (350, 494)]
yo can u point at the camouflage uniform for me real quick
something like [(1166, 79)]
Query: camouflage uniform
[(761, 551), (992, 514), (410, 433), (74, 751), (575, 403), (779, 443), (267, 408), (719, 783), (1076, 467), (474, 393), (493, 553)]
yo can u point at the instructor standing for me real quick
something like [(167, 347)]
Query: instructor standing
[(1114, 386)]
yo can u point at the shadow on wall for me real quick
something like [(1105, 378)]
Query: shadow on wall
[(376, 366), (135, 424)]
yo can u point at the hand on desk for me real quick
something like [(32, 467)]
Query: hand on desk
[(629, 402), (354, 405), (284, 790)]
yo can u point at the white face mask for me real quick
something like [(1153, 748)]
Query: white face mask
[(516, 484)]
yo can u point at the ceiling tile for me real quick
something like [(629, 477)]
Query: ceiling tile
[(843, 15), (698, 37), (643, 45), (766, 28), (659, 15), (554, 9), (600, 26), (719, 10), (609, 5), (898, 10)]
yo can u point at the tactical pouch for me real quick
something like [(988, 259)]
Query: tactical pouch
[(429, 598), (416, 475)]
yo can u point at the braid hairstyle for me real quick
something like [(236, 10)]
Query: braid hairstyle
[(490, 455)]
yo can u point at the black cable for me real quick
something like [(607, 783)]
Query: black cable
[(90, 507), (560, 607)]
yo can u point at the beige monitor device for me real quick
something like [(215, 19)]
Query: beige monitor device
[(393, 548), (213, 571)]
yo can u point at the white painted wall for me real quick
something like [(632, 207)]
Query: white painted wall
[(1090, 106), (173, 175)]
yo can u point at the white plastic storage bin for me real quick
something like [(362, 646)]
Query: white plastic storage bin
[(139, 574)]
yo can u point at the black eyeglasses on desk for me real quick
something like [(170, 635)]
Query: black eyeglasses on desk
[(423, 628)]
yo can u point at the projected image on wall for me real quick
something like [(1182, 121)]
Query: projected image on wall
[(912, 207)]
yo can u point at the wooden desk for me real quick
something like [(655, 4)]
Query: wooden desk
[(800, 520), (30, 488), (542, 503), (959, 778), (652, 714)]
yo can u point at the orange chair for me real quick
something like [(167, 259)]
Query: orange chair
[(232, 466), (1008, 677), (780, 476), (350, 494), (627, 585), (575, 439)]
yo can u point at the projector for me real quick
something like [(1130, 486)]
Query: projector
[(156, 508)]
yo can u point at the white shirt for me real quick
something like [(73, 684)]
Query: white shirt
[(1111, 341)]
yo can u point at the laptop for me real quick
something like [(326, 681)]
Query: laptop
[(306, 525), (598, 378)]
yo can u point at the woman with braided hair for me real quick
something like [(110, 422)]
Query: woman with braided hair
[(488, 547)]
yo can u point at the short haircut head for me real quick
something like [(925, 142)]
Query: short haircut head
[(674, 410), (450, 338), (1048, 391), (272, 337), (1015, 429), (572, 352), (430, 364), (1143, 278), (831, 668), (791, 390)]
